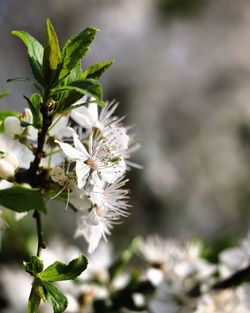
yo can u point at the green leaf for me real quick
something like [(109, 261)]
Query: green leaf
[(3, 115), (89, 87), (21, 199), (34, 302), (74, 75), (55, 297), (67, 98), (34, 265), (35, 53), (75, 49), (59, 271), (52, 54), (97, 70), (4, 93), (35, 104)]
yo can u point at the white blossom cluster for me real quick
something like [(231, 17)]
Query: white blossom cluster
[(86, 154), (173, 269)]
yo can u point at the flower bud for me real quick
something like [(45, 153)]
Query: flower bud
[(12, 126), (8, 165), (11, 158), (7, 170)]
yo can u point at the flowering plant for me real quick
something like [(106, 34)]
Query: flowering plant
[(68, 145)]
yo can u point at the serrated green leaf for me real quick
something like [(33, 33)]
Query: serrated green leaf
[(67, 97), (3, 115), (95, 71), (75, 49), (59, 271), (74, 75), (89, 87), (55, 297), (35, 53), (52, 54), (19, 199), (34, 265)]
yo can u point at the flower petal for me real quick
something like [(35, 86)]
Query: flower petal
[(82, 173)]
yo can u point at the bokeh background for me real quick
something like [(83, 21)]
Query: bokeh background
[(182, 77)]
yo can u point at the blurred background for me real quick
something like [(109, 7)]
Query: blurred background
[(182, 77)]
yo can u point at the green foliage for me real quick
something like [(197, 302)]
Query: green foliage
[(34, 301), (52, 54), (59, 271), (34, 266), (3, 115), (55, 297), (75, 49), (59, 73), (42, 288), (97, 70), (35, 53), (35, 103), (19, 199), (89, 87)]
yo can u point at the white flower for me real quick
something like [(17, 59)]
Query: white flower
[(86, 116), (226, 301), (110, 126), (12, 126), (59, 128), (159, 252), (97, 160), (12, 155), (99, 210)]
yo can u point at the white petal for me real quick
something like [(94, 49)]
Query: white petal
[(81, 119), (92, 235), (82, 173), (28, 116), (58, 129), (4, 184), (7, 170), (113, 171), (81, 202), (93, 218), (12, 126), (93, 110), (71, 153), (19, 216), (22, 153), (79, 146)]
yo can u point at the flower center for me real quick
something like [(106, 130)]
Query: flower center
[(91, 163)]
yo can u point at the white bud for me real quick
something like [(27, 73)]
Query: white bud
[(7, 170), (12, 126), (28, 117), (12, 159)]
